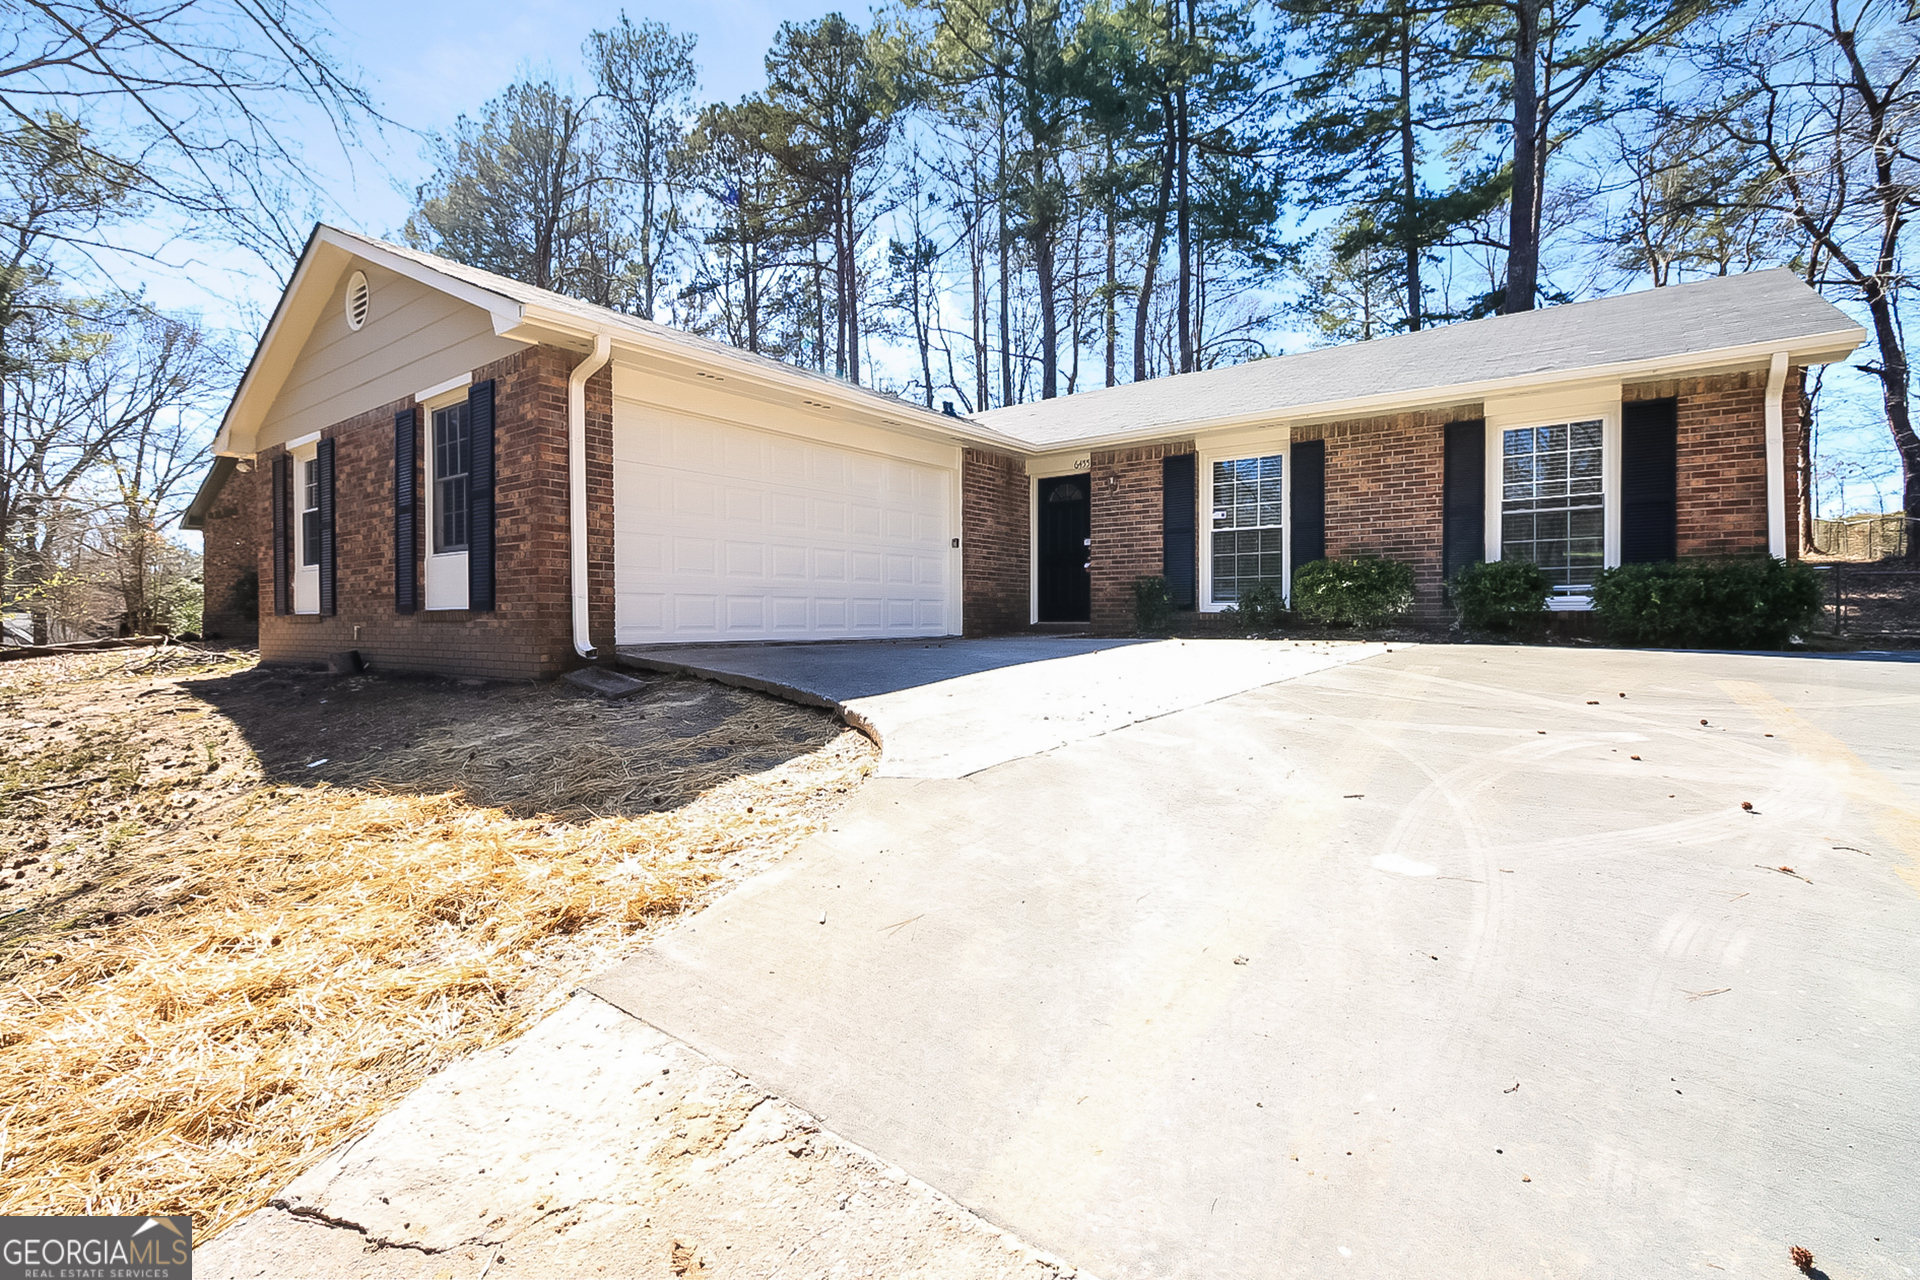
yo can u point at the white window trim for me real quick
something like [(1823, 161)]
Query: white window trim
[(1609, 416), (306, 577), (444, 582), (1203, 513)]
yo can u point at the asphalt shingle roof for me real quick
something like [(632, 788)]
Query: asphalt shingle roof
[(1770, 307)]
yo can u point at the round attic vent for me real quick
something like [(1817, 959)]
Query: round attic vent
[(358, 300)]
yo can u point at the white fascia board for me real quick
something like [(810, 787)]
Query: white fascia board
[(506, 313), (224, 444), (637, 349), (327, 253), (1824, 348)]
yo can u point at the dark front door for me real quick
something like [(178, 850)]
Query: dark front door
[(1066, 526)]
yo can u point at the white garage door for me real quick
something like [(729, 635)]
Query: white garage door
[(723, 532)]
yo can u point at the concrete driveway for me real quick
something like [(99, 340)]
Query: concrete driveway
[(1448, 961)]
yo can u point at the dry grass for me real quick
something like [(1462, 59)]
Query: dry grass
[(303, 955)]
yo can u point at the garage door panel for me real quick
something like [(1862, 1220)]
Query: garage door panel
[(746, 613), (789, 562), (789, 510), (746, 506), (746, 560), (695, 557), (695, 612), (829, 516), (728, 532)]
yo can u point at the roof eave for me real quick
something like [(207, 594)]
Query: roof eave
[(862, 402), (258, 387), (1822, 348)]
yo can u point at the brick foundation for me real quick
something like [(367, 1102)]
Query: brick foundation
[(528, 634), (1127, 538), (995, 543)]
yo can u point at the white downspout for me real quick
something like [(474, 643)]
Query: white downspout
[(1776, 457), (577, 487)]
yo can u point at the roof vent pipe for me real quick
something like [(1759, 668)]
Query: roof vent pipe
[(946, 407), (577, 488)]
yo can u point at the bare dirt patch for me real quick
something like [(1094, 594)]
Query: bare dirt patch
[(245, 910)]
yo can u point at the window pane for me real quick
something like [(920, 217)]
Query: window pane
[(1249, 541), (310, 537), (1551, 481), (451, 458)]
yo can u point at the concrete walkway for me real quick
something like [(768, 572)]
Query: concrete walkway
[(1451, 962), (949, 708)]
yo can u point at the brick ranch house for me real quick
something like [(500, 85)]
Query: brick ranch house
[(453, 472)]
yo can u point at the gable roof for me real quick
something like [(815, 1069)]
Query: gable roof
[(1721, 322), (524, 313)]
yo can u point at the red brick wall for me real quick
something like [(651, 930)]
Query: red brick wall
[(1127, 539), (995, 544), (1384, 490), (230, 551), (1723, 460), (529, 632)]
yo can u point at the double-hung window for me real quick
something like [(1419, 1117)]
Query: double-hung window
[(1552, 504), (1247, 531), (305, 551), (451, 457)]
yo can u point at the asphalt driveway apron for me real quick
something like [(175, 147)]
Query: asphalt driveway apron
[(1451, 961)]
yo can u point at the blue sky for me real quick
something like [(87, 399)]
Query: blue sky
[(426, 63)]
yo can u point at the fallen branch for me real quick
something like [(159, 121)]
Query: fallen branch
[(79, 646)]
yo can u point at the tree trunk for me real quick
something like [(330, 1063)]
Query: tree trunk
[(1183, 161), (977, 251), (1894, 383), (1409, 177), (1006, 281), (1043, 272), (1154, 242), (1109, 304), (1523, 225), (852, 274)]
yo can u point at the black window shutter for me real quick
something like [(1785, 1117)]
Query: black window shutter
[(282, 543), (1176, 528), (406, 512), (1464, 497), (1309, 498), (480, 497), (323, 455), (1649, 480)]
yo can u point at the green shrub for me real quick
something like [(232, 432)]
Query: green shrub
[(1261, 606), (1152, 605), (1362, 592), (1504, 595), (1754, 602)]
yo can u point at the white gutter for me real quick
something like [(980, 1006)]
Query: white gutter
[(577, 487), (1811, 349), (1776, 456)]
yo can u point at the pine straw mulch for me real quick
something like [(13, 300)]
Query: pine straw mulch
[(198, 1006)]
